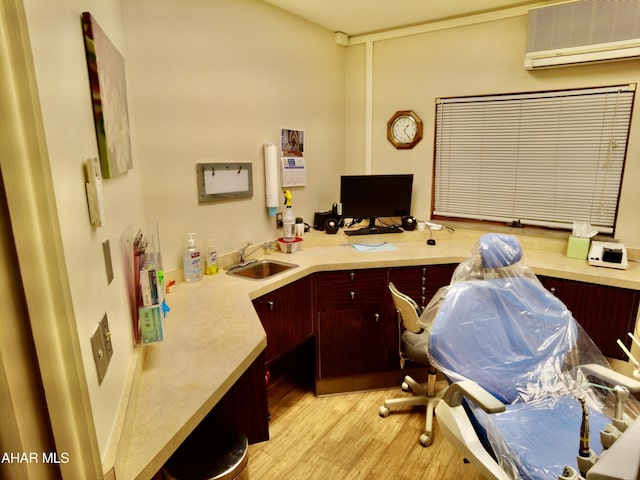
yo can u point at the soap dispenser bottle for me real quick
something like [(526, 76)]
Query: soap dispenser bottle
[(192, 261), (211, 261), (288, 220)]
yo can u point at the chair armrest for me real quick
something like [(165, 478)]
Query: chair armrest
[(611, 376), (622, 459), (474, 392)]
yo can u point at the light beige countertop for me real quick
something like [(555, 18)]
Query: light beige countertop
[(213, 333)]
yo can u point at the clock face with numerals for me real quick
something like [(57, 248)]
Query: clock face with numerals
[(404, 129)]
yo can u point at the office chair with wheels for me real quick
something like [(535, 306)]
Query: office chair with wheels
[(413, 347), (521, 369)]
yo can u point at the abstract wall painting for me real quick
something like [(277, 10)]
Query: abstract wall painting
[(109, 99)]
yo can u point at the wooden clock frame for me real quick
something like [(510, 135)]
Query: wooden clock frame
[(419, 129)]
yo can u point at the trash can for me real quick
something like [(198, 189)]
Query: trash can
[(210, 454)]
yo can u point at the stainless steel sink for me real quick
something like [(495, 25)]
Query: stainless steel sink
[(260, 269)]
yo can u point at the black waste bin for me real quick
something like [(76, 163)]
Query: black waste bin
[(210, 454)]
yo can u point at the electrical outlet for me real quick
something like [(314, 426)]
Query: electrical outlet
[(279, 223), (102, 347)]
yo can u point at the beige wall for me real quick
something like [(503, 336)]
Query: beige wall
[(63, 85), (411, 72), (355, 113), (206, 81), (214, 81)]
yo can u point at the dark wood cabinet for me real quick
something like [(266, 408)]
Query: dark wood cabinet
[(352, 334), (351, 315), (421, 283), (357, 326), (245, 405), (287, 317), (606, 313), (351, 342)]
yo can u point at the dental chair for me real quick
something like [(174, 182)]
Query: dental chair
[(413, 347), (527, 384)]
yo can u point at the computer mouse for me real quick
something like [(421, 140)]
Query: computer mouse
[(431, 241)]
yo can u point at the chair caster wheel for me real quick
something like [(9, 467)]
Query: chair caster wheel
[(404, 387), (425, 440), (384, 412)]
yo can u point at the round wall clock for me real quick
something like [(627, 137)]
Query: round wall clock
[(404, 129)]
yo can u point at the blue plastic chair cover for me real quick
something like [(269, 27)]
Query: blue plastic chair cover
[(497, 325)]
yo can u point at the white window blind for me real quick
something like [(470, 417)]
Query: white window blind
[(546, 158)]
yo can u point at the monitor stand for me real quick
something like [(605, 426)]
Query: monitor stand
[(373, 229)]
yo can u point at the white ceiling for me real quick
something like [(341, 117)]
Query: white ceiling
[(355, 17)]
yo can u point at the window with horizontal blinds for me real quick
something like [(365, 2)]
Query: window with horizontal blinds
[(545, 158)]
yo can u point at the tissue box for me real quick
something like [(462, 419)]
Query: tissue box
[(578, 247)]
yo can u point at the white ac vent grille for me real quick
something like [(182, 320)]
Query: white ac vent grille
[(567, 32)]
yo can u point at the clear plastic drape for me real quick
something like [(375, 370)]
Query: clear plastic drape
[(497, 325)]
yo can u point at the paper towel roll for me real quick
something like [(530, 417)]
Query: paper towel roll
[(271, 177)]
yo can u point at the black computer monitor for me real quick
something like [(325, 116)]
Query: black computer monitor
[(372, 196)]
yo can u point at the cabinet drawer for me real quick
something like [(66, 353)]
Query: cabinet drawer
[(421, 283), (350, 289)]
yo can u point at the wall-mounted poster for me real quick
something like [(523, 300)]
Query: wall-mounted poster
[(109, 99)]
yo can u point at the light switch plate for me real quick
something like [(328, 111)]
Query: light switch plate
[(102, 347), (108, 265)]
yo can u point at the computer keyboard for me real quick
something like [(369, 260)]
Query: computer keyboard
[(373, 230)]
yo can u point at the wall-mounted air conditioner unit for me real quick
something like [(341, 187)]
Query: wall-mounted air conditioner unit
[(584, 31)]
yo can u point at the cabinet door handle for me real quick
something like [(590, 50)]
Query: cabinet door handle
[(352, 275), (353, 295), (377, 317), (553, 290), (424, 281), (270, 305)]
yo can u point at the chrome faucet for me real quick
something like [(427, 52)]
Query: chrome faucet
[(243, 254)]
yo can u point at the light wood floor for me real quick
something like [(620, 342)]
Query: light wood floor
[(343, 437)]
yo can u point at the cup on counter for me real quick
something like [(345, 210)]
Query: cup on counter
[(421, 225)]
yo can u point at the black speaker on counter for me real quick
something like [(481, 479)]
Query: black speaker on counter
[(320, 218), (331, 226), (409, 223)]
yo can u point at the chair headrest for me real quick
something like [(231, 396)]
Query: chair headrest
[(498, 250)]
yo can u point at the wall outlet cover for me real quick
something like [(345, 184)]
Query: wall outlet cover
[(102, 347)]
